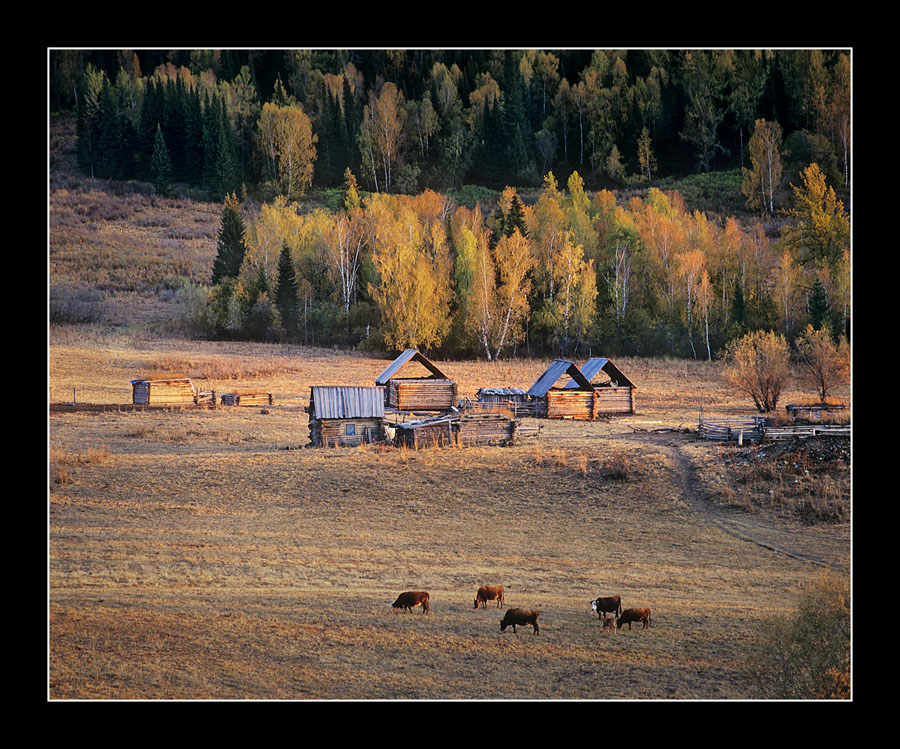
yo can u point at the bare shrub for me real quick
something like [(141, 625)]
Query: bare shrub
[(807, 655), (617, 468), (759, 365), (72, 305)]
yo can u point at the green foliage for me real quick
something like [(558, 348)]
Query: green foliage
[(286, 299), (161, 165), (231, 245)]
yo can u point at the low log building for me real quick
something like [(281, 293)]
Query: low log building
[(612, 395), (345, 416), (552, 402), (171, 392)]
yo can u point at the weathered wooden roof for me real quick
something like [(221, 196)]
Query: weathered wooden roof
[(346, 402), (553, 373), (407, 356), (596, 364)]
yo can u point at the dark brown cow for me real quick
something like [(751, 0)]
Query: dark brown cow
[(489, 593), (520, 617), (607, 605), (634, 615), (412, 598)]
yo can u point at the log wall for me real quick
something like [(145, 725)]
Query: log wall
[(581, 404), (333, 432), (421, 395)]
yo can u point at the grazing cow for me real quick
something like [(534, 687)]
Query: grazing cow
[(607, 605), (489, 593), (520, 617), (410, 599), (634, 615)]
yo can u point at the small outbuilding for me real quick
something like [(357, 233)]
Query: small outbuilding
[(345, 416), (554, 402), (435, 392), (614, 394), (170, 392)]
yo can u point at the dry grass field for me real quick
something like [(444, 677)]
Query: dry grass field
[(206, 554)]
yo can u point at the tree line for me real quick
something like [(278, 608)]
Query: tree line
[(571, 274), (408, 120)]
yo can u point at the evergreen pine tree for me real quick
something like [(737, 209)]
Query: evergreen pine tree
[(231, 245), (286, 297), (515, 218), (161, 165), (737, 325), (818, 308)]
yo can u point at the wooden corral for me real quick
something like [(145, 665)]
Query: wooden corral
[(176, 391), (748, 429), (433, 393), (816, 411), (613, 395), (247, 398), (459, 430), (345, 416)]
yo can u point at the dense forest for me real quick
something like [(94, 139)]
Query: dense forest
[(427, 155)]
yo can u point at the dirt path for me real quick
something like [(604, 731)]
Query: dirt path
[(821, 545)]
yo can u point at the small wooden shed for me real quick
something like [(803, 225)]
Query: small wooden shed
[(552, 402), (345, 416), (614, 394), (170, 392), (436, 392)]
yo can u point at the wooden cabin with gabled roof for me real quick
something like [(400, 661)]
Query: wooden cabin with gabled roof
[(614, 394), (554, 402), (345, 416), (434, 392)]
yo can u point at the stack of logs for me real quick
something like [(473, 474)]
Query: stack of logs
[(421, 394), (247, 398)]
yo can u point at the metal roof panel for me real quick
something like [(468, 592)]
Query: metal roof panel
[(553, 373), (346, 402), (407, 356)]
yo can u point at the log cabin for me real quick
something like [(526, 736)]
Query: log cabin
[(345, 416), (614, 394), (434, 392)]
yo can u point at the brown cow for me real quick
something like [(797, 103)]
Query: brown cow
[(609, 625), (520, 617), (634, 615), (607, 605), (489, 593), (412, 598)]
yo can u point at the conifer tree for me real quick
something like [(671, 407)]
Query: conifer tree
[(161, 165), (231, 244), (286, 296)]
